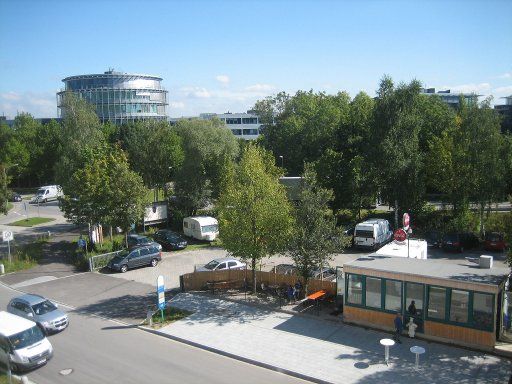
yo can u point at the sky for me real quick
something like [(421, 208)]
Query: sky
[(219, 56)]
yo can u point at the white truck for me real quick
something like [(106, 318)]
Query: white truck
[(47, 193), (372, 234), (201, 227)]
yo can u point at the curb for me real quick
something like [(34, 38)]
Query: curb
[(236, 357)]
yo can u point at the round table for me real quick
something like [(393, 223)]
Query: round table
[(417, 351), (387, 343)]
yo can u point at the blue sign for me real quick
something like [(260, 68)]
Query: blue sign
[(160, 292)]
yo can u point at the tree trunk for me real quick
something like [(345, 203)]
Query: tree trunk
[(396, 213), (110, 232), (482, 209), (253, 263)]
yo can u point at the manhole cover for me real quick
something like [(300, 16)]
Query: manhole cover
[(361, 365), (66, 372)]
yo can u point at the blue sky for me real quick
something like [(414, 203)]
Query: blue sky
[(219, 56)]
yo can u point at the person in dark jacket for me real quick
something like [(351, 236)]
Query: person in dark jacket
[(399, 326), (412, 309)]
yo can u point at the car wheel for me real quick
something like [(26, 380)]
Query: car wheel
[(154, 262), (45, 201), (124, 268)]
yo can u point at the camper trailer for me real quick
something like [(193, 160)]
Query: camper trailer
[(201, 227), (372, 234)]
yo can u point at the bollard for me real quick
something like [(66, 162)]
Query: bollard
[(2, 269)]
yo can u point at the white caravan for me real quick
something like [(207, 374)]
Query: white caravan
[(372, 233), (201, 227), (47, 193), (414, 249)]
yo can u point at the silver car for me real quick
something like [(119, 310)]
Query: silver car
[(40, 310)]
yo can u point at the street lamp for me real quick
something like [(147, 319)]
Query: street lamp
[(282, 161)]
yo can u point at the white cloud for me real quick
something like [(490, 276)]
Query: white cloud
[(469, 88), (37, 104), (223, 79), (260, 88), (507, 75), (502, 91), (177, 105), (196, 92)]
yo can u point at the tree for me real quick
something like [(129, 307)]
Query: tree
[(315, 236), (254, 212), (3, 189), (207, 145), (154, 150), (81, 138)]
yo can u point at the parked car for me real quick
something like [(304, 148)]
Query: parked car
[(14, 196), (222, 264), (47, 193), (40, 310), (326, 273), (170, 240), (285, 269), (495, 241), (459, 241), (433, 238), (135, 240), (136, 257)]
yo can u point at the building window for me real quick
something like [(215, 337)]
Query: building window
[(249, 120), (393, 295), (355, 289), (250, 131), (482, 311), (373, 292), (233, 121), (414, 292), (236, 132), (437, 303), (459, 306)]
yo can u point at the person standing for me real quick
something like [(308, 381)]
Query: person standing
[(399, 326), (412, 309)]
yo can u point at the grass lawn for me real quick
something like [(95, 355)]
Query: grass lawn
[(30, 222), (170, 315)]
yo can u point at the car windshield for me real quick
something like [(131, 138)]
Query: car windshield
[(26, 338), (493, 237), (120, 256), (212, 264), (40, 192), (210, 228), (44, 307)]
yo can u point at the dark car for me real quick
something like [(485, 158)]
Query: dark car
[(136, 257), (433, 238), (495, 241), (15, 197), (135, 240), (459, 241), (170, 240)]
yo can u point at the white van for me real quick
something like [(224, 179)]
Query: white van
[(22, 343), (372, 233), (201, 227), (47, 193)]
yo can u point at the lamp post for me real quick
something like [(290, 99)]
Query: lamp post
[(282, 160)]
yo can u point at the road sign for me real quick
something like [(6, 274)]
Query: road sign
[(400, 235), (160, 291), (7, 236), (406, 220)]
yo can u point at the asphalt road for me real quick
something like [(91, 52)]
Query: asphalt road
[(104, 351)]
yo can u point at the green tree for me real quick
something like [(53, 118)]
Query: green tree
[(3, 189), (315, 236), (154, 150), (207, 145), (81, 138), (254, 213)]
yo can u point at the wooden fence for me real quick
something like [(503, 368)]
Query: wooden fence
[(197, 281)]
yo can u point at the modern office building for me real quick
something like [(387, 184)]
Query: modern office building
[(243, 125), (119, 97), (452, 99), (505, 111)]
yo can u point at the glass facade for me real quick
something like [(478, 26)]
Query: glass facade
[(119, 97), (373, 292)]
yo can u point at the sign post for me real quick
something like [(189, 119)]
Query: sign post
[(160, 291), (8, 236)]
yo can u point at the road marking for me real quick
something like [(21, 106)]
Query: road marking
[(37, 280)]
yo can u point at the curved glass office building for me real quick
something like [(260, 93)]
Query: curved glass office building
[(119, 97)]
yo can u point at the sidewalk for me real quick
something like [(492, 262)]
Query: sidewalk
[(322, 350)]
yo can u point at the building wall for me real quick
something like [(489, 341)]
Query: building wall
[(119, 97)]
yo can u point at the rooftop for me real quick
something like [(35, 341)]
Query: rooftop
[(463, 271)]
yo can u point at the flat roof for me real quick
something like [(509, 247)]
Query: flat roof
[(464, 271)]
